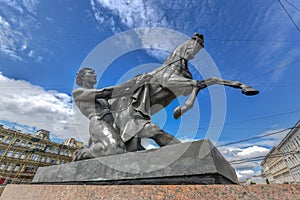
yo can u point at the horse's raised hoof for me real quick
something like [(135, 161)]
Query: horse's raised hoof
[(177, 112), (249, 91)]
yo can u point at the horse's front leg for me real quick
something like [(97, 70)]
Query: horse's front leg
[(180, 110), (246, 89), (184, 85)]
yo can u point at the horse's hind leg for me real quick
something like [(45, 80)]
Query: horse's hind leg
[(134, 144), (161, 137), (246, 89)]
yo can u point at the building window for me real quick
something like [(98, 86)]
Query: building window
[(34, 157), (17, 167), (1, 138), (48, 160), (52, 161), (294, 143), (297, 142), (1, 151), (48, 149), (9, 153), (29, 169), (10, 166), (17, 142), (23, 156), (28, 145), (43, 159), (62, 152), (37, 157), (38, 146), (17, 154), (58, 161), (7, 141), (2, 166), (23, 143)]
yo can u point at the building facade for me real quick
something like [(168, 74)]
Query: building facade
[(21, 154), (256, 180), (282, 163)]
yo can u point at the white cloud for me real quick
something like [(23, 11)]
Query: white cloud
[(49, 19), (31, 5), (186, 139), (273, 139), (31, 105), (245, 168), (33, 54), (15, 29), (135, 14), (244, 174), (149, 144), (13, 4), (132, 13), (254, 151), (233, 153)]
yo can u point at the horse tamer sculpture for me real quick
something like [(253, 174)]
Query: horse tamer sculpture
[(121, 115)]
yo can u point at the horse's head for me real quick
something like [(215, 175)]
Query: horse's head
[(193, 46), (199, 38), (188, 49)]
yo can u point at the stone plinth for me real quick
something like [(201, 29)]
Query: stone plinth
[(144, 192), (196, 162)]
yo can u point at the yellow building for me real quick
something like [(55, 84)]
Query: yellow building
[(275, 168), (21, 154), (282, 163), (72, 142)]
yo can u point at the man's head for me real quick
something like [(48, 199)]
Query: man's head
[(86, 77)]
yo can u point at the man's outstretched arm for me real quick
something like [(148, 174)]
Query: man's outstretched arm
[(114, 91), (123, 89)]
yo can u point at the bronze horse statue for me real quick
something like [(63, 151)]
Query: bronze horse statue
[(133, 102)]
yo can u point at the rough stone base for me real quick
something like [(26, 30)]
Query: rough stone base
[(144, 192), (203, 179), (196, 162)]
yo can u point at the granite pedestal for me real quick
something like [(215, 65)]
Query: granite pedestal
[(197, 162), (155, 192)]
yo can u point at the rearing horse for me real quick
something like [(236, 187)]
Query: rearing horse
[(134, 101)]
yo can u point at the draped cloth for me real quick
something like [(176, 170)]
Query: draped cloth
[(132, 112)]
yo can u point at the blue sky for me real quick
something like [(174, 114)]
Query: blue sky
[(44, 43)]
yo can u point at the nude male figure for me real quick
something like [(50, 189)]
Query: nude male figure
[(104, 139)]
